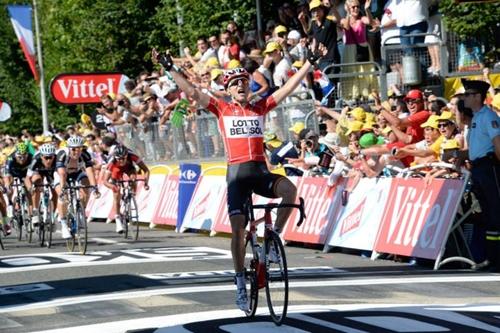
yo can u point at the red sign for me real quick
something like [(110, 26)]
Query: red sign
[(86, 88), (352, 221), (166, 209), (417, 217)]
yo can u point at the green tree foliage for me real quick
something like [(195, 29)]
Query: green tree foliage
[(477, 20), (101, 35)]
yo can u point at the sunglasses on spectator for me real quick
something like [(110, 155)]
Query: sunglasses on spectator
[(412, 101), (443, 125)]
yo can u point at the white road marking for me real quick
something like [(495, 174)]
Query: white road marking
[(229, 287), (24, 288), (106, 241), (297, 311)]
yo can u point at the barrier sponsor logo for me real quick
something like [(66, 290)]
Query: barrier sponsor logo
[(81, 88), (319, 210), (352, 221), (244, 127), (188, 175), (418, 217), (222, 223), (166, 209), (201, 206)]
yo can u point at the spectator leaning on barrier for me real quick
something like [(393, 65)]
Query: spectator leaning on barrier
[(484, 153), (280, 152)]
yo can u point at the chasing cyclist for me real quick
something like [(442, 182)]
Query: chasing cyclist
[(43, 167), (123, 162), (73, 163), (17, 166), (241, 123)]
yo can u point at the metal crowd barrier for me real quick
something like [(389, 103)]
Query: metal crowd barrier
[(198, 138)]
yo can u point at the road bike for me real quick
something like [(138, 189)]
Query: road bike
[(45, 215), (128, 207), (265, 263), (75, 217), (20, 216)]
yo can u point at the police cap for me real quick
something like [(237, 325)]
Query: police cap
[(475, 87)]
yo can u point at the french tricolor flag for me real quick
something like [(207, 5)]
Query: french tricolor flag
[(20, 16), (5, 111)]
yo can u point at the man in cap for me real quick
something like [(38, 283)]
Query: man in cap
[(280, 152), (282, 64), (484, 153)]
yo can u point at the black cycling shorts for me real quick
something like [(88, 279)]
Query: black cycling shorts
[(245, 178)]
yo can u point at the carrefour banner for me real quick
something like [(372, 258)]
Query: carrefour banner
[(188, 178)]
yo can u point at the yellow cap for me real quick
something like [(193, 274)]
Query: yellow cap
[(271, 47), (271, 139), (354, 126), (314, 4), (450, 144), (387, 130), (446, 115), (370, 117), (212, 62), (111, 95), (432, 121), (496, 101), (214, 73), (85, 119), (297, 127), (279, 28), (233, 64), (367, 126), (358, 114), (298, 64)]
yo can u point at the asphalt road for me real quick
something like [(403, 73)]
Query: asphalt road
[(171, 282)]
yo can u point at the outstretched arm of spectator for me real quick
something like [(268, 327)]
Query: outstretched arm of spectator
[(402, 136), (368, 18), (324, 110), (292, 83)]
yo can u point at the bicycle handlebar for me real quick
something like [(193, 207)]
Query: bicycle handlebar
[(270, 206)]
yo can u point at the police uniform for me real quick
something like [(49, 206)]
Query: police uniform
[(486, 171)]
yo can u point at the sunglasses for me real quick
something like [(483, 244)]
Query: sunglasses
[(75, 148), (444, 125), (412, 101), (353, 7), (21, 156), (48, 157), (236, 82)]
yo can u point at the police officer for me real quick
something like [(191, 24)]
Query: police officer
[(484, 153)]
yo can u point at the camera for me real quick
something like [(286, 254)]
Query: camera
[(121, 102), (309, 143)]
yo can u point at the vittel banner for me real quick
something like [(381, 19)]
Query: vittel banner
[(84, 88)]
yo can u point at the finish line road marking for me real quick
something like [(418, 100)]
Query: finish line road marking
[(228, 287)]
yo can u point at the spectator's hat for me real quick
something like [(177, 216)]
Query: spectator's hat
[(387, 130), (330, 140), (215, 73), (233, 63), (446, 116), (315, 4), (298, 64), (459, 91), (354, 126), (368, 140), (212, 62), (271, 47), (279, 29), (368, 126), (475, 86), (414, 94), (450, 144), (496, 102), (358, 114), (370, 117), (294, 34), (147, 96), (85, 119), (297, 127), (432, 121), (271, 139)]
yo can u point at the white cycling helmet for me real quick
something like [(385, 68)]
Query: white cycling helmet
[(47, 149), (75, 141)]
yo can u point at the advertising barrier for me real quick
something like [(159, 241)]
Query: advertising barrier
[(189, 174), (402, 216)]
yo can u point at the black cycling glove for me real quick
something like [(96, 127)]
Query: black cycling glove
[(165, 59), (313, 56)]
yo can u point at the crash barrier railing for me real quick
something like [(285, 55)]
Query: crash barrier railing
[(393, 215), (407, 65), (353, 81), (198, 138)]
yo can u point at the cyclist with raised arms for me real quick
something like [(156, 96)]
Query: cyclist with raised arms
[(73, 163), (123, 161), (43, 167), (241, 123), (17, 166)]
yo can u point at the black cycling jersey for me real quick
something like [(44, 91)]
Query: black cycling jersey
[(15, 169), (246, 178), (38, 166), (63, 159)]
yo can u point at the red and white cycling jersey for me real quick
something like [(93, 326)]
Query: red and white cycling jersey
[(242, 128)]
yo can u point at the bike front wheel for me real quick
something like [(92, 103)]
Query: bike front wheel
[(81, 233), (133, 218), (71, 242), (251, 264), (276, 277)]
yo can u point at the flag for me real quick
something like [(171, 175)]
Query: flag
[(20, 16)]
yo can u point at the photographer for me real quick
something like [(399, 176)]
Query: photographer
[(314, 156)]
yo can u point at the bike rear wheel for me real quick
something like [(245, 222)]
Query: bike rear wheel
[(27, 222), (133, 215), (70, 242), (276, 277), (81, 233), (17, 223), (251, 263)]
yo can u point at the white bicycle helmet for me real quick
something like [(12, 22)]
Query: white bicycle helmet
[(75, 141), (47, 149)]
